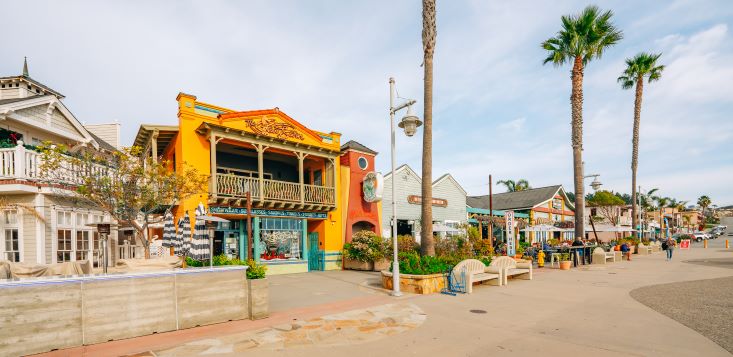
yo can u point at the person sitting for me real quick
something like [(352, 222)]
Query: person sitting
[(626, 251)]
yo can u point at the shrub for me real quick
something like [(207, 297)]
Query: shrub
[(256, 270), (406, 244), (413, 263), (365, 246)]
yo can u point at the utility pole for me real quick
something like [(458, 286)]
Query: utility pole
[(491, 213)]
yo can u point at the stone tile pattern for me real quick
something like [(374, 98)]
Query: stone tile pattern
[(348, 328)]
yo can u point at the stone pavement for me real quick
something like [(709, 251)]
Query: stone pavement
[(587, 311), (345, 329)]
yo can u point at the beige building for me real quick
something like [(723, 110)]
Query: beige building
[(38, 223)]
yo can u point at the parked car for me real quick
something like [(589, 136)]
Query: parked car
[(700, 236)]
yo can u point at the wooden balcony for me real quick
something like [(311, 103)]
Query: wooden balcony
[(232, 189), (19, 164)]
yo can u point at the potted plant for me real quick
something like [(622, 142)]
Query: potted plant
[(365, 249), (257, 290), (565, 261)]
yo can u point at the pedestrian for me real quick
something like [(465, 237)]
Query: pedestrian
[(671, 243), (626, 251)]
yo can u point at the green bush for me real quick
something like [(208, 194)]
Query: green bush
[(365, 246), (256, 270), (413, 263)]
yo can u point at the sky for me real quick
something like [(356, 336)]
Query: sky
[(497, 109)]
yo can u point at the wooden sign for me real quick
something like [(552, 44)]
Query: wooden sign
[(416, 200), (511, 249)]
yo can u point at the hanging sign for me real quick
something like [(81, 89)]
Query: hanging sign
[(511, 249), (266, 212), (372, 187), (685, 244), (416, 200)]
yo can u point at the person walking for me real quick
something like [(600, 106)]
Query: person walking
[(671, 243)]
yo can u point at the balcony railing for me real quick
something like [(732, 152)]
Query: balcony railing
[(19, 163), (234, 186)]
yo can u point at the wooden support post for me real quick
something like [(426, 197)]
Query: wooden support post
[(261, 169), (250, 241), (213, 184)]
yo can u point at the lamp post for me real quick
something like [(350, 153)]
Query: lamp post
[(409, 123), (104, 230)]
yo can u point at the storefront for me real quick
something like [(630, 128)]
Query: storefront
[(264, 159)]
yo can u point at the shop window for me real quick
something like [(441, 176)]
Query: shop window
[(83, 244), (281, 238)]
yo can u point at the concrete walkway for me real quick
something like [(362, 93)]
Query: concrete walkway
[(582, 311)]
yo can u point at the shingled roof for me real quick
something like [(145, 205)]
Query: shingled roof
[(525, 199), (353, 145)]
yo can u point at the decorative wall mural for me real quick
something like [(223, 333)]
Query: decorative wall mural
[(273, 127)]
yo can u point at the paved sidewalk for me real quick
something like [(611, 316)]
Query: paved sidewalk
[(586, 311)]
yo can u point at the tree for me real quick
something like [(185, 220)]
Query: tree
[(512, 186), (608, 205), (643, 65), (704, 201), (583, 37), (429, 31), (661, 203), (130, 188)]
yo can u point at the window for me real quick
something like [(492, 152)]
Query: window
[(363, 163), (63, 245), (10, 236), (281, 238)]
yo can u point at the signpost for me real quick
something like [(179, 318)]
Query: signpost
[(511, 249)]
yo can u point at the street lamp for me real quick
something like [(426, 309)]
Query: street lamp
[(409, 124)]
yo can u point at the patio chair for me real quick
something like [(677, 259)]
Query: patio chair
[(601, 256)]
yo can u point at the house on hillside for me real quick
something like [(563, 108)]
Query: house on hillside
[(38, 224)]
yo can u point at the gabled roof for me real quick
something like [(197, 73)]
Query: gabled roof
[(417, 176), (448, 177), (35, 83), (518, 200), (356, 146), (9, 109), (275, 111), (102, 144)]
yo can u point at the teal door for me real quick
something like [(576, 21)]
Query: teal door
[(316, 257)]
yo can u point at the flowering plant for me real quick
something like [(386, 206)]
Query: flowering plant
[(365, 246)]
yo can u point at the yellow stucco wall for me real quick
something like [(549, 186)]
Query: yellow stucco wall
[(193, 149)]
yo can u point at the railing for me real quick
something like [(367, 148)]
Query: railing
[(281, 191), (29, 167), (319, 194), (129, 251), (229, 185), (237, 186)]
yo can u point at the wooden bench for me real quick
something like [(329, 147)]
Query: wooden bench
[(510, 267), (601, 256), (476, 272)]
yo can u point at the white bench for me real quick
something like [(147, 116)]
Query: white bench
[(601, 256), (510, 267), (642, 249), (476, 272)]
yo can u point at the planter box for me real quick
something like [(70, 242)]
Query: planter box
[(259, 297), (416, 284), (381, 265), (357, 265)]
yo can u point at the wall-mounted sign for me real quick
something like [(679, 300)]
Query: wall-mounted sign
[(273, 127), (511, 249), (372, 187), (416, 200), (267, 212), (556, 203)]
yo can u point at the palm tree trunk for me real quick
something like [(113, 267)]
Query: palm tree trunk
[(635, 149), (576, 101), (427, 247)]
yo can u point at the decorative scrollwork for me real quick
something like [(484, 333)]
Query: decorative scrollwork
[(273, 127)]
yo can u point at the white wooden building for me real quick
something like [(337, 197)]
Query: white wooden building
[(38, 224), (449, 202)]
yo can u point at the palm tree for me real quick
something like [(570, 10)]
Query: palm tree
[(661, 203), (427, 247), (704, 201), (637, 68), (583, 37), (512, 186)]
